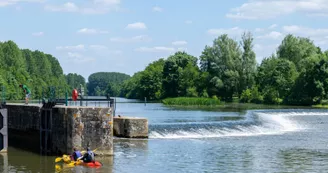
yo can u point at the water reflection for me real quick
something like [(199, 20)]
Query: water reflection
[(4, 162), (106, 161), (302, 160)]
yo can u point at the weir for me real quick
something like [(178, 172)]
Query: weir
[(51, 129)]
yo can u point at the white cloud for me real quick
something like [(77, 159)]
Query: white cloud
[(74, 55), (273, 26), (139, 38), (13, 2), (91, 31), (38, 34), (93, 7), (305, 31), (264, 50), (179, 43), (155, 49), (98, 47), (157, 9), (137, 25), (67, 7), (182, 49), (318, 35), (231, 31), (188, 22), (260, 9), (259, 29), (103, 50), (107, 2), (272, 35), (77, 47)]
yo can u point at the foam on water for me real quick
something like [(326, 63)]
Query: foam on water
[(255, 123)]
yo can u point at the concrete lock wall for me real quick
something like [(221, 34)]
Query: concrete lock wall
[(71, 127), (130, 127)]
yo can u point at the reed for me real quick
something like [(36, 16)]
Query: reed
[(191, 101)]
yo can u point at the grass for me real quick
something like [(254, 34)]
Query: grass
[(320, 106), (191, 101)]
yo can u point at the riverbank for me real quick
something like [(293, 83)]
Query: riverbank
[(213, 104), (191, 101)]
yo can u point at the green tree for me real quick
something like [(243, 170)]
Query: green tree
[(172, 71), (248, 67), (223, 63), (101, 80), (151, 80), (312, 84), (296, 49), (275, 78)]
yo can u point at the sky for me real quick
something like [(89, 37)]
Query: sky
[(89, 36)]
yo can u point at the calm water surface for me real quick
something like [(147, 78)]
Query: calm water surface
[(276, 140)]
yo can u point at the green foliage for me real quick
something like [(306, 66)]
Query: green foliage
[(296, 74), (296, 49), (75, 80), (190, 101), (179, 72), (251, 95), (98, 83), (32, 68), (276, 78), (223, 62), (312, 85), (248, 64)]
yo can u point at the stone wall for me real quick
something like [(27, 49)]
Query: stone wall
[(71, 127), (130, 127), (86, 126), (23, 126)]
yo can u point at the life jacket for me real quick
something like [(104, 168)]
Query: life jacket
[(76, 155), (91, 155)]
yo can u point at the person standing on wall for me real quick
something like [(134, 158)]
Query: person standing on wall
[(27, 92)]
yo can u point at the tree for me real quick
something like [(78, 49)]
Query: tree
[(101, 80), (223, 63), (151, 80), (275, 78), (296, 48), (75, 80), (311, 86), (248, 67), (172, 71)]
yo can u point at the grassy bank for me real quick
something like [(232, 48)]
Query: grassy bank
[(320, 106), (191, 101)]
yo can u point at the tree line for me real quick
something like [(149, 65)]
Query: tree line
[(297, 73), (35, 69), (40, 71)]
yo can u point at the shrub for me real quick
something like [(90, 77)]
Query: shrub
[(191, 101)]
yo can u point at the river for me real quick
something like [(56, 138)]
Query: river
[(227, 140)]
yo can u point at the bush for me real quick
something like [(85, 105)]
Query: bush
[(251, 96), (192, 92), (191, 101), (246, 96), (271, 96)]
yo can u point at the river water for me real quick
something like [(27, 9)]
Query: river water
[(227, 140)]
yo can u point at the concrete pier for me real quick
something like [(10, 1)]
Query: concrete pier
[(57, 130), (130, 127)]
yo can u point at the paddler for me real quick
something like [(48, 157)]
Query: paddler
[(88, 157), (76, 154)]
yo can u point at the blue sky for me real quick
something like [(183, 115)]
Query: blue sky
[(88, 36)]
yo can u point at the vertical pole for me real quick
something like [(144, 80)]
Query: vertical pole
[(145, 100), (66, 98), (114, 106)]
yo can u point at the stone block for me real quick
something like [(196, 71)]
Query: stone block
[(130, 127)]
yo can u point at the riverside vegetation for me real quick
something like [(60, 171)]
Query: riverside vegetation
[(296, 74)]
